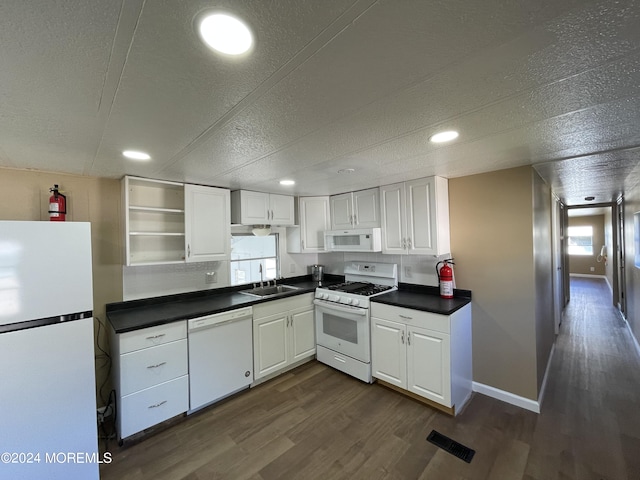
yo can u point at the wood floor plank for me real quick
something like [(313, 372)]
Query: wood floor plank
[(511, 461)]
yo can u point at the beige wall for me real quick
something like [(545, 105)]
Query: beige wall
[(95, 200), (582, 264), (492, 243), (543, 265)]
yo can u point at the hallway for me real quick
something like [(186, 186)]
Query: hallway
[(317, 423), (591, 410)]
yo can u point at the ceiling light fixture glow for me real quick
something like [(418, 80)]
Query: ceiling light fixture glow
[(225, 34), (444, 136), (287, 182), (136, 155)]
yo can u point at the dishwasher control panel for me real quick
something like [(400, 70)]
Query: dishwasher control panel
[(220, 318)]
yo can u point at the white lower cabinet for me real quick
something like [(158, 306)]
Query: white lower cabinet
[(153, 405), (150, 376), (424, 353), (283, 334)]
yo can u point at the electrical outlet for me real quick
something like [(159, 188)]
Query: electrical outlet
[(407, 272), (211, 277), (292, 268), (593, 269)]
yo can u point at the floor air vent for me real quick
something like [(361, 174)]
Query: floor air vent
[(451, 446)]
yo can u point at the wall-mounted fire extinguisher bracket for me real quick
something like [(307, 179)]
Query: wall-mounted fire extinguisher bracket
[(445, 277), (57, 205)]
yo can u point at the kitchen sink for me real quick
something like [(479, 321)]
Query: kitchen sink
[(269, 291)]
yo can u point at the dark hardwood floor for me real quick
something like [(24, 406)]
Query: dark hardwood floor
[(316, 423)]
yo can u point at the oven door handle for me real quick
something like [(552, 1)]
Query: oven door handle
[(340, 308)]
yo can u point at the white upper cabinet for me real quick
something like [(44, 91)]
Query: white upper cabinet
[(168, 222), (154, 221), (415, 217), (282, 209), (359, 209), (313, 214), (207, 223), (257, 208)]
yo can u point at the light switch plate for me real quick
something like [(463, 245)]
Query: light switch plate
[(210, 277)]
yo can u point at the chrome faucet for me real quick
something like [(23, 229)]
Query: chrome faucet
[(261, 279)]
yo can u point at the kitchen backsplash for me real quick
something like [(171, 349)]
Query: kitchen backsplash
[(156, 280), (419, 269)]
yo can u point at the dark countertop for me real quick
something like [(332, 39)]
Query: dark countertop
[(136, 314), (425, 298), (149, 312)]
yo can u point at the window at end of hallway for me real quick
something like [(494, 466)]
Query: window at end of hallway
[(580, 240)]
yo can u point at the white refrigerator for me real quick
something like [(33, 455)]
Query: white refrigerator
[(48, 425)]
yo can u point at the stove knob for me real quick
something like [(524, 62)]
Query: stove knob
[(333, 298), (324, 296), (355, 302)]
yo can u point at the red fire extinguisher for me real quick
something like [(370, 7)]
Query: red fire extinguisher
[(57, 205), (445, 278)]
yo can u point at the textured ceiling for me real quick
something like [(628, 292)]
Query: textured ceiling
[(330, 84)]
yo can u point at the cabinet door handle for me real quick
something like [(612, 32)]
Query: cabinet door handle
[(157, 404), (154, 337), (409, 243), (409, 338), (287, 322), (188, 250), (404, 243), (405, 317), (157, 365), (402, 337), (303, 244)]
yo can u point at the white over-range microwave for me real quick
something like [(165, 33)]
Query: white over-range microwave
[(357, 240)]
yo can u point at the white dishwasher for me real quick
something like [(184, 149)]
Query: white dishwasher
[(220, 356)]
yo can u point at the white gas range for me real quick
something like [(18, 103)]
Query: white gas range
[(342, 316)]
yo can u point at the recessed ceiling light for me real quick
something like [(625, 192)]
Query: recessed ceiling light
[(287, 182), (444, 136), (225, 34), (136, 155), (346, 170)]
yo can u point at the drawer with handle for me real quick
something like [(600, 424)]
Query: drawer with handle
[(150, 366), (152, 336), (154, 405), (408, 316)]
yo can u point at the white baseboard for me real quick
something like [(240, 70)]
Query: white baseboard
[(585, 275), (633, 337), (546, 376), (507, 397), (609, 285), (517, 400)]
